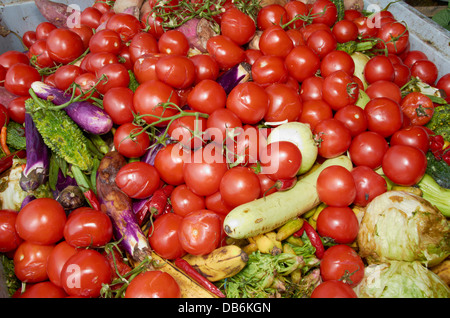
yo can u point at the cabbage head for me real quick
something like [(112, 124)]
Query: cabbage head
[(401, 280), (401, 226)]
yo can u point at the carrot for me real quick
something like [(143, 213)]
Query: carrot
[(3, 136)]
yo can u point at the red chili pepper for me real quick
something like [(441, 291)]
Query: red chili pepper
[(92, 198), (156, 205), (4, 133), (313, 237), (285, 184), (189, 270), (6, 162)]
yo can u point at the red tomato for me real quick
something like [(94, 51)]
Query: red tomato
[(95, 61), (426, 70), (118, 103), (239, 185), (339, 90), (188, 130), (204, 170), (315, 111), (226, 52), (64, 45), (353, 117), (150, 97), (153, 284), (336, 61), (126, 25), (311, 88), (85, 272), (275, 41), (220, 125), (116, 76), (324, 11), (41, 221), (9, 238), (214, 202), (369, 184), (284, 103), (131, 141), (384, 116), (333, 289), (44, 290), (106, 41), (345, 30), (341, 262), (91, 17), (249, 102), (178, 71), (334, 137), (138, 179), (238, 26), (207, 96), (16, 109), (85, 82), (85, 33), (88, 228), (270, 15), (200, 232), (302, 62), (2, 75), (418, 108), (368, 149), (163, 236), (66, 75), (338, 223), (43, 29), (366, 27), (269, 69), (293, 9), (173, 42), (28, 38), (39, 54), (322, 42), (394, 36), (416, 136), (444, 84), (30, 262), (280, 160), (145, 68), (141, 44), (205, 67), (169, 162), (184, 201), (56, 260), (336, 187), (10, 58), (378, 68), (413, 56), (404, 165), (19, 78), (383, 88)]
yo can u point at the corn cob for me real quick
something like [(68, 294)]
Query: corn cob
[(60, 133)]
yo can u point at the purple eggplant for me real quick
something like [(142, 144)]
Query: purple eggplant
[(89, 117), (240, 73), (119, 207), (38, 158)]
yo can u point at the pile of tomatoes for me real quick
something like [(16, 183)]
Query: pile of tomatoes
[(298, 74)]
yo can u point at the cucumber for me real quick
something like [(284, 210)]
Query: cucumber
[(268, 213)]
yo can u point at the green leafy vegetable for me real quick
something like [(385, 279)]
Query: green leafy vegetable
[(15, 137), (12, 283), (439, 170), (443, 17)]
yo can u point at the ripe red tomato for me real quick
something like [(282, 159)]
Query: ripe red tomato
[(84, 273), (64, 45), (106, 41), (91, 17), (16, 109), (383, 88), (116, 76), (9, 238), (378, 68), (426, 70), (270, 15), (384, 116), (444, 84), (333, 136), (153, 284), (12, 57), (418, 108), (394, 36), (280, 160), (178, 71), (131, 141), (339, 90), (302, 62), (311, 88), (173, 42), (188, 130), (284, 103), (249, 102), (341, 262), (239, 185), (65, 76), (88, 228), (416, 136), (184, 201), (336, 187), (207, 96), (224, 51), (126, 25), (345, 30), (335, 61), (404, 165), (324, 11), (205, 67), (269, 69), (333, 289), (293, 9), (43, 290), (275, 41), (322, 42), (368, 149), (315, 111), (141, 44), (338, 223), (369, 184), (29, 37), (204, 170), (163, 236), (149, 100), (118, 103), (41, 221), (19, 78), (56, 260), (238, 26), (43, 29), (85, 33), (353, 117), (200, 232), (138, 179), (30, 262), (169, 162), (220, 124)]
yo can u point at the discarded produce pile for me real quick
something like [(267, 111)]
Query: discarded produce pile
[(231, 149)]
